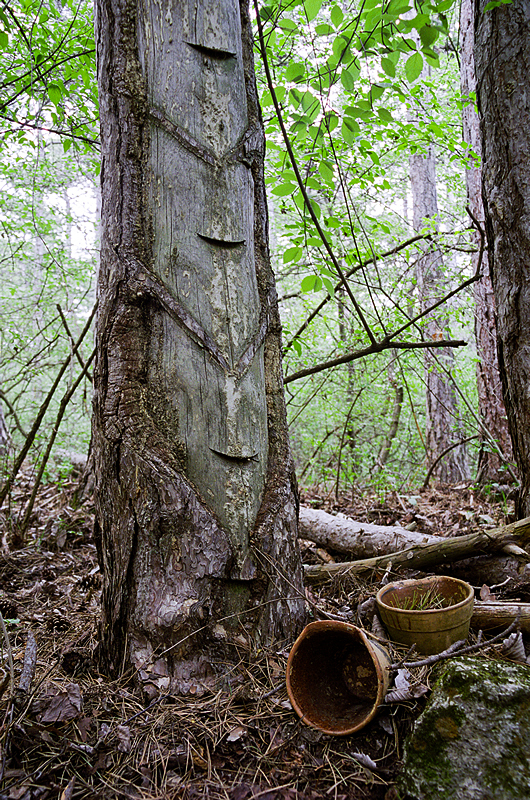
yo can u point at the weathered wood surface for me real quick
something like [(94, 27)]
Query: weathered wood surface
[(497, 614), (421, 556), (195, 490), (360, 539)]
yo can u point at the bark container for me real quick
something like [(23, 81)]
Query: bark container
[(430, 629), (337, 675)]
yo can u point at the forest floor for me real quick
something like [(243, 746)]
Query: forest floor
[(76, 734)]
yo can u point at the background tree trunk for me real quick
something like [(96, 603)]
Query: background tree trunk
[(442, 412), (491, 467), (195, 492), (502, 62), (5, 437)]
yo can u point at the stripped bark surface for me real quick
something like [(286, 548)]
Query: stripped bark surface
[(195, 491)]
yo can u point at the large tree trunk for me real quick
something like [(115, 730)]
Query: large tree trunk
[(502, 62), (491, 466), (195, 492), (442, 412)]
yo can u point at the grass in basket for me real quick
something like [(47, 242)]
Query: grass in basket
[(422, 600)]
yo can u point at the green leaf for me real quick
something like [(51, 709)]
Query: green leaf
[(288, 25), (376, 92), (331, 120), (385, 115), (297, 346), (389, 68), (336, 16), (413, 67), (354, 68), (309, 103), (312, 7), (358, 112), (284, 189), (292, 254), (296, 97), (347, 80), (326, 170), (432, 58), (54, 93), (397, 7), (266, 12), (495, 3), (295, 72), (428, 35), (329, 286), (311, 283), (350, 129), (324, 29), (316, 209), (4, 39)]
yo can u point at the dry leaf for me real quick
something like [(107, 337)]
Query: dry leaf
[(236, 733), (68, 792), (486, 595), (513, 647), (364, 760), (59, 706), (123, 732)]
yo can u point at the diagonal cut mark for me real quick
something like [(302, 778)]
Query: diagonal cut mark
[(213, 52), (226, 243)]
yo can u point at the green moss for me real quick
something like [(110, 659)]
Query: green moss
[(474, 736)]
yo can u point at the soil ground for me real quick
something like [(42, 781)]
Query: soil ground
[(73, 733)]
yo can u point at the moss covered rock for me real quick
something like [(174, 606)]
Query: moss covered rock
[(472, 742)]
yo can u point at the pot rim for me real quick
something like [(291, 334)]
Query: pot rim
[(421, 582), (360, 635)]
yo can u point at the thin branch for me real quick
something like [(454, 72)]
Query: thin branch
[(62, 408), (72, 340), (301, 184), (28, 86), (33, 127), (342, 438), (316, 311), (13, 413), (378, 347), (42, 411), (457, 649), (444, 453)]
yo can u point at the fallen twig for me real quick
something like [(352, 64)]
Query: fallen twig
[(456, 649)]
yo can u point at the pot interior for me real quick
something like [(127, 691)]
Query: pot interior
[(428, 594)]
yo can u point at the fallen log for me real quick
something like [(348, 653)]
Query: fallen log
[(359, 539), (421, 556), (489, 569), (497, 614)]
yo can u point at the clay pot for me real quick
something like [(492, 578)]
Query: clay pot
[(337, 675), (430, 629)]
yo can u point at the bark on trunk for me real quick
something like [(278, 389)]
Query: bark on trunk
[(195, 491), (502, 63), (491, 466), (443, 425)]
